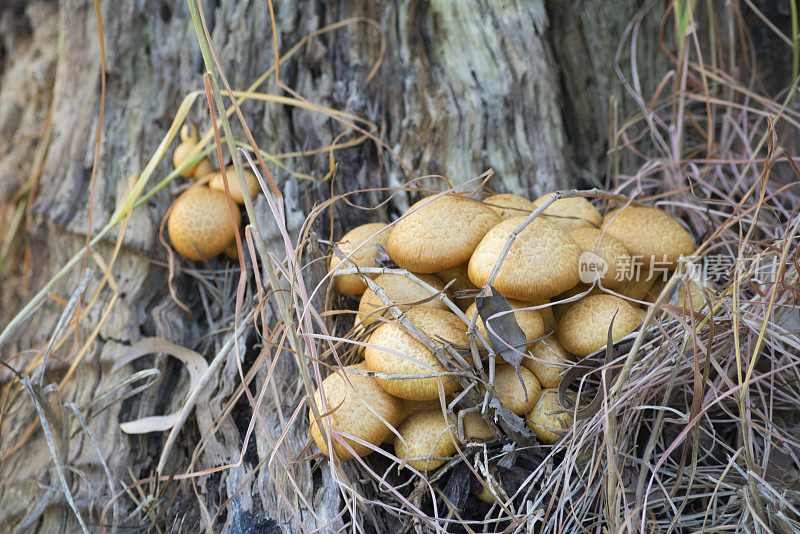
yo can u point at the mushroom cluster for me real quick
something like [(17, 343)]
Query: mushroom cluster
[(202, 224), (446, 248)]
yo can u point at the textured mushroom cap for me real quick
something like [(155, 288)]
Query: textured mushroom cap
[(179, 156), (649, 233), (476, 427), (418, 359), (460, 286), (641, 283), (234, 185), (510, 390), (571, 213), (508, 205), (561, 306), (651, 295), (547, 314), (425, 435), (611, 251), (547, 360), (542, 262), (690, 296), (412, 406), (231, 252), (459, 276), (202, 169), (530, 321), (440, 234), (351, 404), (365, 256), (401, 291), (548, 415), (201, 218), (583, 328)]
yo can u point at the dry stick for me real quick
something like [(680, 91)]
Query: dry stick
[(440, 295), (473, 397)]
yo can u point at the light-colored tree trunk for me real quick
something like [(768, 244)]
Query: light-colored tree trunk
[(518, 87)]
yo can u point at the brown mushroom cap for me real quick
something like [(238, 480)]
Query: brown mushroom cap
[(425, 436), (234, 184), (583, 328), (356, 407), (476, 427), (508, 205), (548, 360), (365, 256), (200, 224), (510, 391), (401, 291), (571, 213), (691, 296), (640, 284), (416, 357), (547, 416), (202, 169), (612, 252), (547, 314), (530, 321), (461, 284), (649, 234), (542, 262), (563, 303), (440, 234)]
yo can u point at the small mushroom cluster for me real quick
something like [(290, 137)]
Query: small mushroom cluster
[(450, 245), (201, 222)]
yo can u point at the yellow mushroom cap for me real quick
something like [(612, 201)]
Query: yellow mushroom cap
[(640, 284), (547, 314), (199, 223), (530, 321), (583, 328), (232, 252), (547, 360), (508, 205), (234, 184), (440, 234), (613, 254), (202, 169), (401, 291), (412, 406), (416, 359), (571, 213), (365, 256), (188, 136), (510, 391), (461, 284), (547, 416), (561, 306), (476, 427), (542, 262), (425, 436), (691, 296), (649, 234), (357, 406)]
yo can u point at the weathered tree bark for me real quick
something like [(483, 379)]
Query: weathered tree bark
[(518, 87)]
